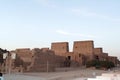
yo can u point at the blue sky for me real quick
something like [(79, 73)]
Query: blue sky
[(37, 23)]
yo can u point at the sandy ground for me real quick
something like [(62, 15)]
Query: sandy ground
[(68, 75), (78, 74)]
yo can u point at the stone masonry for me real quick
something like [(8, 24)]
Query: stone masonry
[(42, 61), (46, 60), (25, 54), (85, 48), (60, 48), (23, 58)]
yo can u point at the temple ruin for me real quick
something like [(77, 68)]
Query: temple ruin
[(59, 56)]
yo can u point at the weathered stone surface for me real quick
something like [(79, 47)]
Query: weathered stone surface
[(42, 61), (98, 51), (46, 59), (84, 47), (60, 48), (25, 54)]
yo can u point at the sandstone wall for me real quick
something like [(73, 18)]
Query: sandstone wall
[(42, 61), (60, 48), (74, 59), (113, 59), (24, 53), (85, 48), (98, 51)]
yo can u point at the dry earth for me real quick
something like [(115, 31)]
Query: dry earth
[(77, 74)]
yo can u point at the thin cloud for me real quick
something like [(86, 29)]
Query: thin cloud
[(85, 12), (63, 32), (77, 11), (46, 3), (73, 34)]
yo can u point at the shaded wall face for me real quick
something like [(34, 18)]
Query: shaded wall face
[(84, 47), (60, 48), (104, 57), (98, 51), (43, 60), (80, 59), (75, 59), (113, 59), (98, 54), (70, 60), (70, 55)]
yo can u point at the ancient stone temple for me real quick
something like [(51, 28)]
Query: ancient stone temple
[(42, 61), (83, 51), (59, 56)]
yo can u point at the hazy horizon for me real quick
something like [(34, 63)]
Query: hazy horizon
[(38, 23)]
